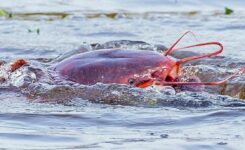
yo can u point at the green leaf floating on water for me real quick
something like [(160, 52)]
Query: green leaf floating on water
[(36, 30), (228, 11), (4, 13)]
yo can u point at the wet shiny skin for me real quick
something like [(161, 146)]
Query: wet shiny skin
[(115, 66)]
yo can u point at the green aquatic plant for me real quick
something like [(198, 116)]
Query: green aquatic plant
[(50, 15), (33, 31), (228, 11), (34, 15), (112, 15), (4, 13), (38, 31)]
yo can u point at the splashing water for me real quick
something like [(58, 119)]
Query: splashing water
[(38, 110)]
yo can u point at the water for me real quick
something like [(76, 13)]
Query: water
[(45, 117)]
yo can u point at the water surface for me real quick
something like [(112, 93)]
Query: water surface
[(41, 31)]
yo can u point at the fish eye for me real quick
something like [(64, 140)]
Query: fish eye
[(131, 81)]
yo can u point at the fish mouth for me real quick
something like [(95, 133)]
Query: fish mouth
[(173, 74), (143, 82), (157, 77)]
